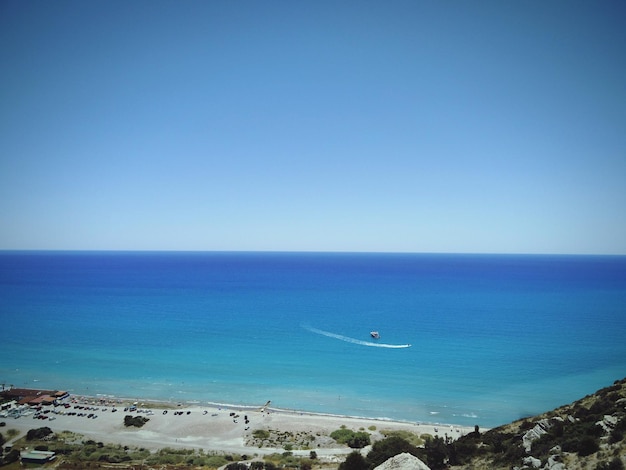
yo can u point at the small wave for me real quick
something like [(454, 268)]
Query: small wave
[(465, 415), (347, 339)]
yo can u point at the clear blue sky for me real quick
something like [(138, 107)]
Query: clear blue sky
[(417, 126)]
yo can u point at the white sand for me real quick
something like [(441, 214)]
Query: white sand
[(213, 428)]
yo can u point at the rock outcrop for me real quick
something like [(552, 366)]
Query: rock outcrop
[(535, 433), (403, 461)]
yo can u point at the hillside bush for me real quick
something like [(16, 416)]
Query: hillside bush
[(616, 436), (236, 466), (461, 451), (387, 448), (436, 453), (354, 461), (587, 446), (615, 464)]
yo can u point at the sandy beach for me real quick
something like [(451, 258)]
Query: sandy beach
[(218, 428)]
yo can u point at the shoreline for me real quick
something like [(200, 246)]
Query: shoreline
[(215, 427), (163, 404), (168, 404)]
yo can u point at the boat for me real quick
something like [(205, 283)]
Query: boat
[(374, 334)]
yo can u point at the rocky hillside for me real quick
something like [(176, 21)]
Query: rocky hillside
[(587, 434)]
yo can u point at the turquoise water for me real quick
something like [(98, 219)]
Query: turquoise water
[(492, 337)]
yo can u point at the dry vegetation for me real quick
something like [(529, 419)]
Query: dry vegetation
[(585, 435)]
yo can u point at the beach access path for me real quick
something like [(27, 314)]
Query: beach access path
[(212, 428)]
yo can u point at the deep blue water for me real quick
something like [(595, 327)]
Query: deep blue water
[(493, 337)]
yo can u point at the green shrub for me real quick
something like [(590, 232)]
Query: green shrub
[(436, 453), (359, 440), (616, 436), (354, 461), (12, 456), (461, 451), (342, 436), (526, 425), (355, 440), (587, 446), (408, 436), (261, 434), (37, 434), (514, 454), (137, 421), (215, 461)]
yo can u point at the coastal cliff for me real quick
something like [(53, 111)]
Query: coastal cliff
[(586, 434)]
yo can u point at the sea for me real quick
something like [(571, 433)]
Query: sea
[(464, 339)]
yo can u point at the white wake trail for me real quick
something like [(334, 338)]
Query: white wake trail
[(347, 339)]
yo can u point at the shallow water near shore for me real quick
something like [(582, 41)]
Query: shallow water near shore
[(465, 339)]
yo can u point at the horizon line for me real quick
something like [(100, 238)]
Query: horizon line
[(207, 251)]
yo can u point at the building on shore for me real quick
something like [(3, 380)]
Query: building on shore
[(29, 396), (36, 456)]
